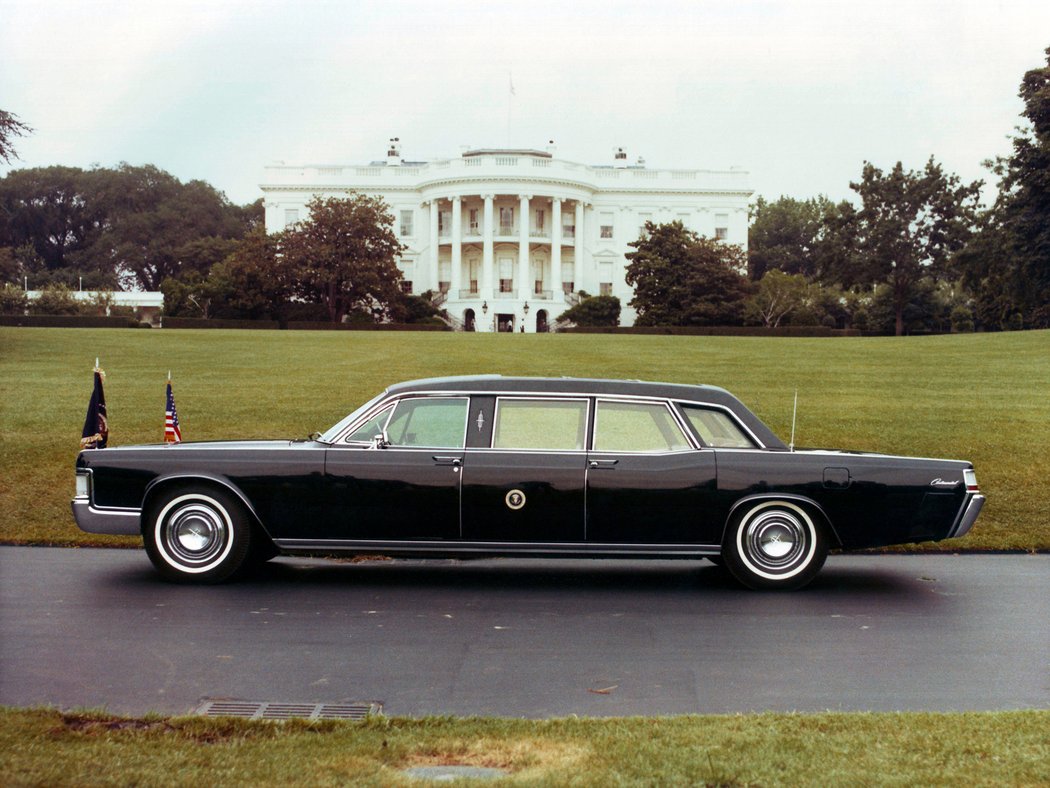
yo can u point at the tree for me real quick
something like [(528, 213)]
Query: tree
[(777, 295), (253, 282), (909, 226), (602, 310), (1008, 263), (787, 235), (344, 255), (10, 126), (682, 279)]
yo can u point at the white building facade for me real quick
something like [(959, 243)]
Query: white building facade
[(508, 238)]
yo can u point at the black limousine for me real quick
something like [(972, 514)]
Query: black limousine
[(497, 466)]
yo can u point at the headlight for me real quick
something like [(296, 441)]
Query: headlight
[(83, 485), (971, 480)]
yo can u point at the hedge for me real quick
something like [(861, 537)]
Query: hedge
[(200, 322), (315, 325), (720, 331), (69, 321)]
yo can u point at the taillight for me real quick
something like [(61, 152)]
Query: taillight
[(971, 480)]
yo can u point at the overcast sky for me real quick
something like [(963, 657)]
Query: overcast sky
[(798, 93)]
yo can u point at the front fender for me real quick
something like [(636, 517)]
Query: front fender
[(159, 484)]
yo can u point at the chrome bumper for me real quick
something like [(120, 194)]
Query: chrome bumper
[(105, 521), (968, 517)]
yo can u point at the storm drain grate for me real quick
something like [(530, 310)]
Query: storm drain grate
[(262, 710)]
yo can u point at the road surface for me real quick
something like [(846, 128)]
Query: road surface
[(530, 638)]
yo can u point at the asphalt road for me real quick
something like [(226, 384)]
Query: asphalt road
[(97, 628)]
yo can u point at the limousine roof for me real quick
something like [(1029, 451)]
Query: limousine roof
[(498, 384)]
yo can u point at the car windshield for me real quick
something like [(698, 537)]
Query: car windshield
[(332, 432)]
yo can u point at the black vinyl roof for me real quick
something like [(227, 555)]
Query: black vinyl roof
[(497, 384)]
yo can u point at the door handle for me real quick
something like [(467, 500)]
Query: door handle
[(597, 464), (439, 460)]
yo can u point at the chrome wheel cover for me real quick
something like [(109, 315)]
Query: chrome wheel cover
[(194, 533), (776, 540)]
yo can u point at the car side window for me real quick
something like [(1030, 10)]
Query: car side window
[(374, 426), (637, 427), (716, 428), (434, 422), (556, 425)]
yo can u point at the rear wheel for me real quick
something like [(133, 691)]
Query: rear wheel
[(774, 544), (197, 535)]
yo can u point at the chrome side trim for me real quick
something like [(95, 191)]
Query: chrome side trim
[(452, 547), (101, 520), (968, 517)]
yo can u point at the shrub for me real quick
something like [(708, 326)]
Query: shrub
[(594, 311), (55, 300), (13, 300), (962, 320)]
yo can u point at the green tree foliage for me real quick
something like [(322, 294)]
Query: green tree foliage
[(776, 296), (10, 127), (12, 300), (131, 226), (254, 282), (789, 235), (1008, 263), (909, 226), (682, 279), (57, 300), (414, 309), (602, 310), (344, 255)]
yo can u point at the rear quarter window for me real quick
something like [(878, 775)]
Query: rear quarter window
[(717, 428)]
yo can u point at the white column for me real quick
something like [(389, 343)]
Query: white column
[(524, 265), (457, 248), (577, 264), (555, 280), (488, 282), (434, 267)]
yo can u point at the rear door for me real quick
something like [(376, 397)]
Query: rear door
[(646, 482)]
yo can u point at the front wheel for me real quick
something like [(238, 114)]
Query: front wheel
[(197, 535), (774, 545)]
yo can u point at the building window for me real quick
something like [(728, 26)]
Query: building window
[(721, 226), (506, 275), (606, 231), (568, 287), (406, 286), (506, 221), (539, 221), (291, 217), (475, 226), (605, 225), (406, 223), (568, 226), (473, 271), (642, 219), (605, 279)]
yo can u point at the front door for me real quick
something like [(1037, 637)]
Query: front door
[(527, 484), (407, 489)]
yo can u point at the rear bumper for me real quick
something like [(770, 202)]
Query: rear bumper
[(97, 520), (967, 517)]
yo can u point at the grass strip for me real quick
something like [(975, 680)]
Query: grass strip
[(981, 397), (48, 747)]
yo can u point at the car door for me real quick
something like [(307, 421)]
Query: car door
[(406, 486), (527, 484), (646, 482)]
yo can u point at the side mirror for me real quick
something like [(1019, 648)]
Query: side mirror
[(380, 441)]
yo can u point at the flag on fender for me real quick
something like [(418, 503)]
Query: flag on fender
[(96, 425), (172, 433)]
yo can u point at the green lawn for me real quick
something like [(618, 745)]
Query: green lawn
[(44, 747), (984, 398)]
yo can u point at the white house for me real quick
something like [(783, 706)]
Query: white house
[(509, 237)]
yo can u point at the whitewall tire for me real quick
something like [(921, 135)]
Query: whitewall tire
[(774, 544)]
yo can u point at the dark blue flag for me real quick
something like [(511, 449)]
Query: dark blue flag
[(96, 425)]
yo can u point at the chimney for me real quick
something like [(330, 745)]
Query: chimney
[(620, 159), (552, 149), (393, 152)]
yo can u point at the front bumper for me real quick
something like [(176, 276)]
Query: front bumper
[(967, 517), (97, 520)]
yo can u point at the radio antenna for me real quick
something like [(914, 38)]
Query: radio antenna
[(794, 412)]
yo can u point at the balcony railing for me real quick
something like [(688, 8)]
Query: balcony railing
[(469, 294), (544, 295), (568, 232), (512, 294)]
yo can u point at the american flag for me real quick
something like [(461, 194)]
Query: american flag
[(172, 433)]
